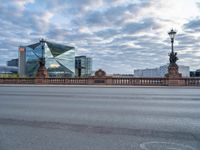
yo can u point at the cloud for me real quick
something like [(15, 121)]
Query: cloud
[(198, 4), (96, 18), (120, 35), (108, 33), (193, 25), (145, 25), (187, 40), (21, 3)]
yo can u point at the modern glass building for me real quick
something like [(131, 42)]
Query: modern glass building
[(83, 66), (59, 59)]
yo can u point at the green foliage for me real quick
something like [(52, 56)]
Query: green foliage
[(7, 75)]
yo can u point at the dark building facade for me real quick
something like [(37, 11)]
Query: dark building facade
[(195, 73), (83, 66), (8, 69), (12, 62)]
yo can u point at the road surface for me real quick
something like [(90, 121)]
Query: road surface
[(99, 118)]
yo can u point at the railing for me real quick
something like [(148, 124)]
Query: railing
[(192, 81), (80, 81), (140, 81), (17, 81), (106, 81)]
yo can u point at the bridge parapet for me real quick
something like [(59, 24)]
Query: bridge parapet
[(101, 78)]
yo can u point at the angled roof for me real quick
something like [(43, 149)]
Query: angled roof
[(58, 49), (33, 46)]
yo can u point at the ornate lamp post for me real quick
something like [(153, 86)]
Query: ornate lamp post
[(172, 56), (172, 34), (173, 67)]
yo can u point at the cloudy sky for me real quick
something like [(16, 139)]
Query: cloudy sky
[(120, 35)]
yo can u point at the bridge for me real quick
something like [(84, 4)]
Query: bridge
[(100, 78)]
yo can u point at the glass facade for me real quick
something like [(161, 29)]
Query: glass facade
[(59, 59), (83, 66), (12, 62)]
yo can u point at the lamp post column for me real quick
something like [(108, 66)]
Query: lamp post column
[(173, 67), (172, 45)]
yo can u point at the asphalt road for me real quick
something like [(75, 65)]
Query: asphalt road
[(99, 118)]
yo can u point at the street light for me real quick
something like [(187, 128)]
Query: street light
[(172, 56), (173, 67), (42, 58), (172, 34)]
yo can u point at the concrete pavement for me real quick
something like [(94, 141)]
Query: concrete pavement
[(88, 118)]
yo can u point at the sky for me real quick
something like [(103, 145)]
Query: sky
[(120, 35)]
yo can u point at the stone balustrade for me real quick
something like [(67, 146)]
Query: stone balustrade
[(106, 81), (101, 78)]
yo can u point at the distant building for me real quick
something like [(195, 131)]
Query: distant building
[(8, 70), (83, 66), (123, 75), (147, 72), (12, 62), (160, 72), (59, 59), (195, 73)]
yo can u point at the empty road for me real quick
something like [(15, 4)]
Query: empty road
[(99, 118)]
